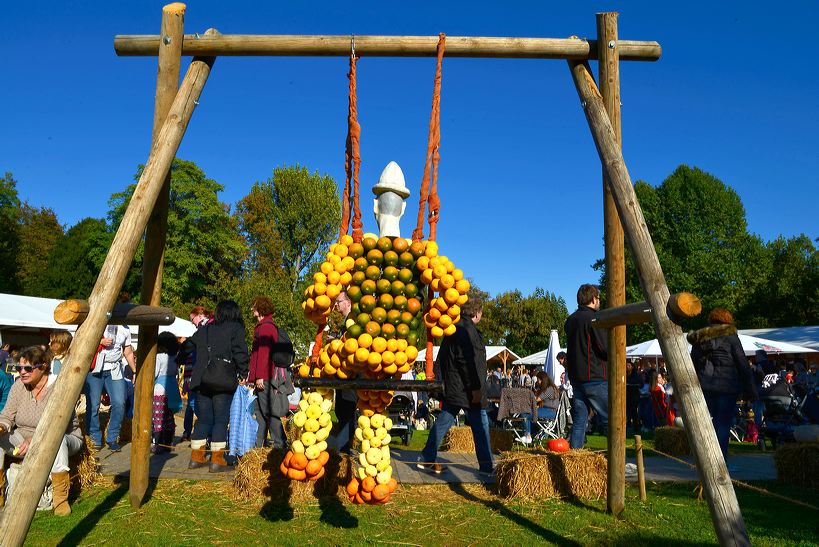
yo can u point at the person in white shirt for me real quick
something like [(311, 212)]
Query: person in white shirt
[(107, 373)]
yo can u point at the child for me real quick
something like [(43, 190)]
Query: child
[(167, 400)]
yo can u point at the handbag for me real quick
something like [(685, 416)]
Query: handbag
[(220, 372)]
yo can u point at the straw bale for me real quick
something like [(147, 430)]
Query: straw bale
[(84, 469), (258, 477), (798, 464), (125, 430), (672, 441), (459, 439), (537, 474)]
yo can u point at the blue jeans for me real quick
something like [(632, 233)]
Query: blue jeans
[(543, 413), (478, 421), (190, 412), (94, 384), (345, 428), (723, 408), (596, 395), (213, 417)]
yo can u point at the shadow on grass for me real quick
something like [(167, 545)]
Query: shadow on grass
[(283, 493), (520, 520), (84, 527)]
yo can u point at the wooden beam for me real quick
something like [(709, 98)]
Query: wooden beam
[(386, 46), (75, 312), (60, 406), (722, 500), (680, 306), (375, 385), (608, 54), (167, 85)]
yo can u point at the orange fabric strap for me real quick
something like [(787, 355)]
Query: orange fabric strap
[(352, 162), (429, 369), (432, 157)]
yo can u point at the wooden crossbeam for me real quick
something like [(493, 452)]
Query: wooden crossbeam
[(75, 312), (680, 306), (386, 46)]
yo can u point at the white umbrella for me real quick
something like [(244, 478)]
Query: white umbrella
[(551, 365)]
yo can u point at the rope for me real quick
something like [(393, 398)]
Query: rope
[(352, 159), (738, 482), (429, 368), (432, 157)]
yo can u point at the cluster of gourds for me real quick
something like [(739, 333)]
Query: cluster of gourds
[(373, 482), (308, 454)]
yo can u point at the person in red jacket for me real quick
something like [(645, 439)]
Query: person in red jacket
[(273, 383)]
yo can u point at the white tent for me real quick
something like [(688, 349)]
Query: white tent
[(750, 344), (807, 337), (30, 318), (538, 358), (497, 353)]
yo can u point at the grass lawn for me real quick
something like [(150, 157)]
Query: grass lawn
[(188, 512)]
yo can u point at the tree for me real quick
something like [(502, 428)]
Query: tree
[(699, 231), (523, 323), (305, 213), (203, 243), (9, 234), (75, 262), (39, 232)]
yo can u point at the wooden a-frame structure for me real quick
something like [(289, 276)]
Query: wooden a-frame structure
[(148, 208)]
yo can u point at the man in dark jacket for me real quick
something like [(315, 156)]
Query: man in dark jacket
[(346, 399), (462, 365), (586, 365)]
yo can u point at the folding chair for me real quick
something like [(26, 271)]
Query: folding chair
[(555, 428)]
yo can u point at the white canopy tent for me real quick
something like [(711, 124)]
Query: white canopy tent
[(807, 337), (29, 319), (750, 344), (538, 358)]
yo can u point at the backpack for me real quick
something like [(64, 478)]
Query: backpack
[(283, 354)]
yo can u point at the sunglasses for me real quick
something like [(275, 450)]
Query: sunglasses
[(27, 368)]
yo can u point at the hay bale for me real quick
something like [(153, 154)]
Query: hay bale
[(258, 477), (672, 441), (538, 474), (125, 429), (798, 464), (459, 439), (84, 469)]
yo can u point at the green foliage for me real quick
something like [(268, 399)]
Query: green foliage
[(523, 323), (75, 261), (292, 217), (39, 234), (203, 243), (9, 234)]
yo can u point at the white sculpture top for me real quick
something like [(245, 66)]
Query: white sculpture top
[(389, 204)]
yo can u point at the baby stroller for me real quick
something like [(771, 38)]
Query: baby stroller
[(400, 411), (783, 412)]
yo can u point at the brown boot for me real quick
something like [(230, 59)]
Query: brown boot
[(198, 458), (2, 488), (218, 463), (61, 484)]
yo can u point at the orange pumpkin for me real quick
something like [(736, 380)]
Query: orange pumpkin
[(296, 474), (318, 475), (324, 457), (380, 492), (368, 484), (313, 467), (559, 445), (352, 487), (287, 458), (393, 484), (298, 461), (284, 469), (358, 499)]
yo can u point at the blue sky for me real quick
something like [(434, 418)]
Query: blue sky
[(734, 94)]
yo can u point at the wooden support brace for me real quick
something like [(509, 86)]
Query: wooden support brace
[(60, 406), (386, 46), (722, 501), (681, 306), (75, 312), (375, 385)]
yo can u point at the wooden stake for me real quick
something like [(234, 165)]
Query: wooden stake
[(387, 46), (167, 84), (609, 70), (60, 407), (75, 312), (722, 500), (681, 306), (641, 471)]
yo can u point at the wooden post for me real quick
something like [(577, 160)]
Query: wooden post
[(75, 312), (60, 407), (681, 306), (641, 470), (167, 84), (722, 500), (387, 46), (609, 69)]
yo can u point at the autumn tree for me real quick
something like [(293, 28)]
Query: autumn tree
[(39, 232), (9, 234), (523, 323), (75, 261)]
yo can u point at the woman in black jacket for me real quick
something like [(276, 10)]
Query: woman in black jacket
[(221, 363), (723, 371)]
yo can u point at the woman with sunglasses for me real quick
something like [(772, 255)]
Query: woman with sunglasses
[(22, 413)]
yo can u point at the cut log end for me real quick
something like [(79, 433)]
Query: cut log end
[(685, 304), (176, 8)]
